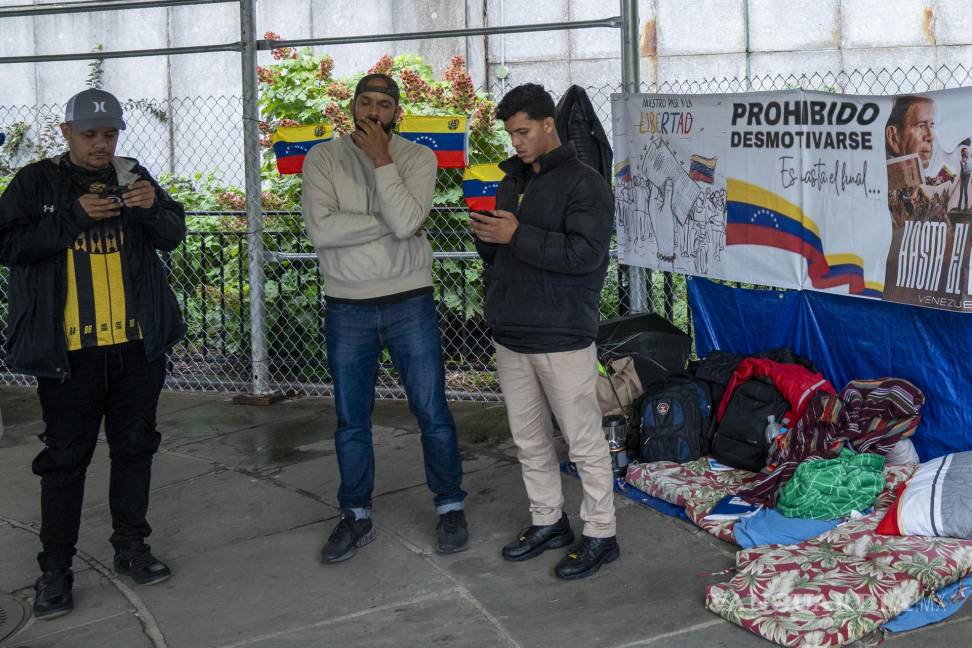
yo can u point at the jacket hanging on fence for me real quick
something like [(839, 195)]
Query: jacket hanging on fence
[(577, 122)]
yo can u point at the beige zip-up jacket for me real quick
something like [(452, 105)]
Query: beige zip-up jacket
[(366, 223)]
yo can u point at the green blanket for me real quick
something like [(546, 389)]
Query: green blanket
[(824, 489)]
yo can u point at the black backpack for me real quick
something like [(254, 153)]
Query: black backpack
[(715, 371), (675, 415), (740, 438)]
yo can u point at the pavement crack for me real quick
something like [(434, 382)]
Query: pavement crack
[(256, 475), (180, 482), (182, 410), (302, 525), (421, 598), (461, 589), (73, 628), (220, 435), (150, 627), (499, 455), (676, 633)]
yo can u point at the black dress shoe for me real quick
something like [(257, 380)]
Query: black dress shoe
[(534, 540), (52, 594), (586, 558)]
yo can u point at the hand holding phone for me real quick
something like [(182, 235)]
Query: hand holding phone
[(113, 193), (140, 193), (99, 207), (493, 227)]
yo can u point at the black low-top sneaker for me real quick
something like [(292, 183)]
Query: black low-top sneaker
[(349, 534), (534, 540), (52, 594), (453, 533), (140, 565), (586, 558)]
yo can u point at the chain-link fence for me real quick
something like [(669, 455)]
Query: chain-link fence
[(194, 146)]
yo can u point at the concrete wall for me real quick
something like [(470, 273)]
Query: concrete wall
[(680, 40), (218, 73), (692, 40), (705, 39)]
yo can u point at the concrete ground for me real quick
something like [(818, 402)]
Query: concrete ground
[(244, 497)]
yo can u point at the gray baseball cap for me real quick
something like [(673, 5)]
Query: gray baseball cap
[(94, 108)]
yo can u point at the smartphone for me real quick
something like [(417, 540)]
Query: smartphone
[(485, 212), (113, 192)]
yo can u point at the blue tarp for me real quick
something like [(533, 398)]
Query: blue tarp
[(848, 338), (947, 602)]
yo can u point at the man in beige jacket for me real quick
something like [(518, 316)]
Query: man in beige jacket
[(366, 198)]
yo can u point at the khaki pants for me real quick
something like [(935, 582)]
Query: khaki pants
[(534, 385)]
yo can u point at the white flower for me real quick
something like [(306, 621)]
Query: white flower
[(858, 548), (901, 596), (963, 558), (780, 588)]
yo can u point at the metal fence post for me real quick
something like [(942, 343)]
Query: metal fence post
[(630, 80), (254, 217)]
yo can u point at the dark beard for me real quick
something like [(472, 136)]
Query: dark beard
[(386, 127)]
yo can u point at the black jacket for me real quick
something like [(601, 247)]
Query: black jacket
[(39, 220), (548, 279), (577, 122)]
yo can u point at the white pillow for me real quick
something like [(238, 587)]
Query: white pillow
[(938, 499)]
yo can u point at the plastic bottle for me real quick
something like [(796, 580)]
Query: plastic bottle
[(773, 429)]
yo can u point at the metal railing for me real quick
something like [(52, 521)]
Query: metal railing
[(210, 271)]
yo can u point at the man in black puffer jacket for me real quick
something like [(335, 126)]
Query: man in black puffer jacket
[(546, 255), (91, 316)]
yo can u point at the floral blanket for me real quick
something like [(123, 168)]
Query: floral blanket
[(828, 591), (694, 486), (838, 587)]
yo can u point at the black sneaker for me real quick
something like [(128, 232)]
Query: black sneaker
[(586, 558), (140, 565), (453, 534), (52, 594), (349, 534)]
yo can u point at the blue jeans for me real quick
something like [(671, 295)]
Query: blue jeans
[(356, 335)]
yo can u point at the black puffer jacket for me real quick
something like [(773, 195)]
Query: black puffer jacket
[(578, 124), (39, 220), (548, 279)]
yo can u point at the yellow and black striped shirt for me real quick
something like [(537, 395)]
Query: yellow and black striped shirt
[(100, 305)]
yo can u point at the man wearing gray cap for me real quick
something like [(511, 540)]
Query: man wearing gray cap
[(92, 316), (366, 198)]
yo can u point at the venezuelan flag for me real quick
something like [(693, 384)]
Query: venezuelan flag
[(446, 135), (755, 216), (622, 171), (702, 169), (479, 184), (291, 143)]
